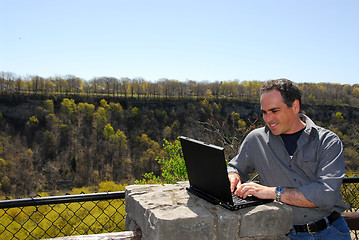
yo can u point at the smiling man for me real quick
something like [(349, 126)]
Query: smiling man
[(298, 162)]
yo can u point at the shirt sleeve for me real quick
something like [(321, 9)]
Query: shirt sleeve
[(325, 191), (242, 163)]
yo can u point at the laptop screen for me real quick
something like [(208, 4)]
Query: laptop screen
[(206, 168)]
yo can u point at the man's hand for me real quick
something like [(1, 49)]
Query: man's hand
[(255, 189), (291, 196), (235, 180)]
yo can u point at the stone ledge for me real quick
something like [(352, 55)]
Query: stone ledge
[(162, 212)]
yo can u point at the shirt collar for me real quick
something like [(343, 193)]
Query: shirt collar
[(310, 127)]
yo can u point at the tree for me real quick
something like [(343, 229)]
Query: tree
[(4, 167), (355, 92), (49, 106), (117, 113), (49, 145), (94, 85), (339, 117), (86, 111), (25, 179), (112, 84), (215, 88), (119, 139), (68, 110), (33, 121), (62, 85), (206, 105), (100, 120), (53, 123), (19, 83), (145, 152), (173, 167), (108, 131), (87, 88), (74, 83), (37, 83), (116, 153), (124, 82), (7, 80), (251, 89), (228, 89), (104, 104)]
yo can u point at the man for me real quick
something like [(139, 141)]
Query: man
[(298, 162)]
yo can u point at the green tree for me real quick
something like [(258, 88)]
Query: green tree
[(104, 104), (173, 167), (145, 151), (355, 92), (108, 131), (339, 117), (86, 111), (135, 111), (207, 106), (119, 139), (100, 120), (33, 121), (69, 110)]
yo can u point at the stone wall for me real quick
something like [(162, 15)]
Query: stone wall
[(163, 212)]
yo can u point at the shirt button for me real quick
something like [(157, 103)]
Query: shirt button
[(290, 165), (294, 179)]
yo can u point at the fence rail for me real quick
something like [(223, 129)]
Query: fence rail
[(61, 199), (82, 214)]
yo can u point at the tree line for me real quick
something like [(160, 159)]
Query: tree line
[(313, 93)]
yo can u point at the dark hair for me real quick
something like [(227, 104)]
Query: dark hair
[(289, 90)]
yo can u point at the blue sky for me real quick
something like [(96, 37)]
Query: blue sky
[(302, 40)]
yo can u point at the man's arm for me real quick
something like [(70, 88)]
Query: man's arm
[(291, 196)]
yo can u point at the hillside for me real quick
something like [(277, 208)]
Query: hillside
[(53, 142)]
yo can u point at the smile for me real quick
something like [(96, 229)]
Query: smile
[(272, 125)]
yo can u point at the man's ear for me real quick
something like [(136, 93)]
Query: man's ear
[(296, 106)]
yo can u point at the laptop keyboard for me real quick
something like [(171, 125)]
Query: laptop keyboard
[(238, 200)]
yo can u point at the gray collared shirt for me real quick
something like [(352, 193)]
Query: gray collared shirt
[(316, 168)]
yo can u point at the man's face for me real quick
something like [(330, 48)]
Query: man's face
[(280, 118)]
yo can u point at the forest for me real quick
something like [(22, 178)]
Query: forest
[(61, 133)]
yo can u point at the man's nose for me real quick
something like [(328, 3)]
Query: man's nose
[(267, 117)]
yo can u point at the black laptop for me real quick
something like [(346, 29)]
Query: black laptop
[(208, 177)]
